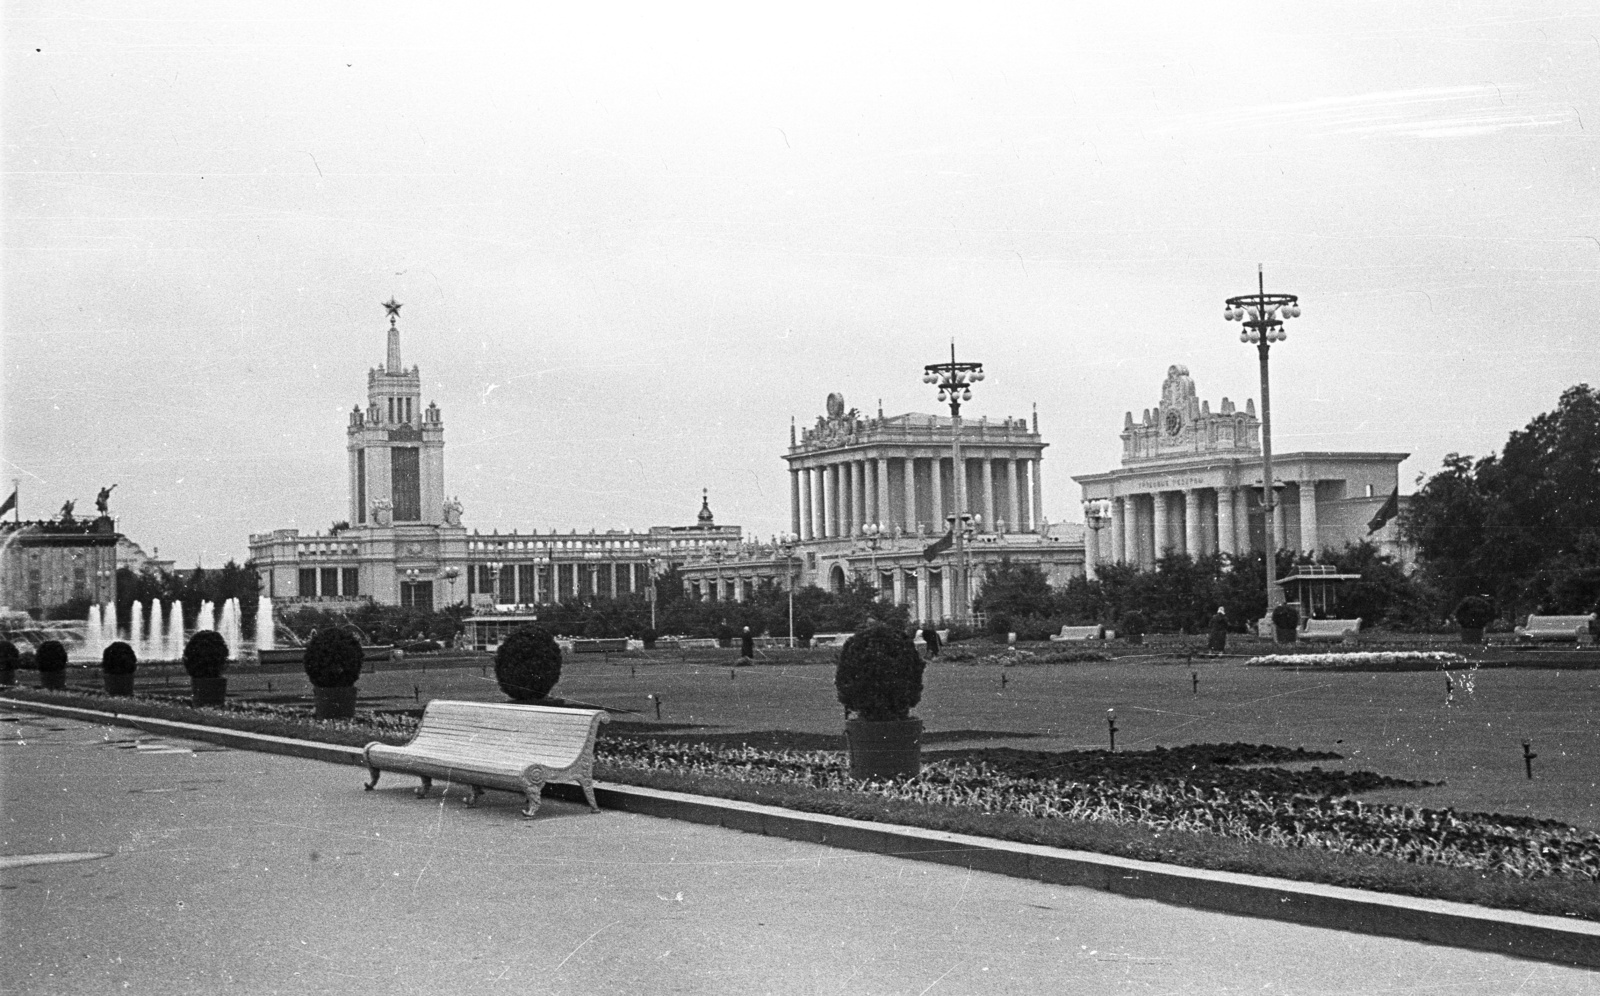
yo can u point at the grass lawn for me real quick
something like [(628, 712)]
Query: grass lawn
[(1395, 724)]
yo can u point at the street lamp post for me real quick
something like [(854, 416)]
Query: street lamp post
[(1096, 519), (873, 533), (450, 575), (786, 546), (955, 382), (494, 585), (650, 593), (1263, 315)]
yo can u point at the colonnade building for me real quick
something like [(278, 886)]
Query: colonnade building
[(1191, 482), (404, 542), (868, 495)]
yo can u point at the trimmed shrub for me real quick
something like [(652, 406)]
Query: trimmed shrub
[(119, 658), (879, 674), (528, 664), (1474, 612), (333, 659), (999, 625), (804, 629), (648, 637), (1132, 624), (9, 657), (1286, 616), (51, 657), (206, 654)]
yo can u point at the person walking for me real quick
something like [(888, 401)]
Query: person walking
[(1218, 633), (747, 647), (930, 636)]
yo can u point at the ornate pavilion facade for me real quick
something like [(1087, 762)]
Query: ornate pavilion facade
[(1191, 482), (867, 497), (406, 543)]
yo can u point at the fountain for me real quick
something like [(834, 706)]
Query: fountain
[(207, 619), (229, 626), (94, 639), (265, 635), (136, 631), (172, 633)]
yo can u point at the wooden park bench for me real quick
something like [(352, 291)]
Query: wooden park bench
[(1573, 628), (514, 748), (1333, 630), (1070, 634)]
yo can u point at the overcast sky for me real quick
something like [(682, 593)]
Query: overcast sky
[(631, 243)]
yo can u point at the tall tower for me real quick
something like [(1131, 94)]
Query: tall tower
[(396, 446)]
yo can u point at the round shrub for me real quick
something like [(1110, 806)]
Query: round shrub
[(51, 657), (648, 637), (118, 658), (333, 659), (1286, 616), (9, 657), (206, 654), (999, 625), (804, 629), (528, 664), (1132, 624), (879, 675), (1474, 612)]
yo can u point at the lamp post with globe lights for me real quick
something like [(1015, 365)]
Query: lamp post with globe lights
[(787, 543), (955, 381), (1263, 315), (872, 534)]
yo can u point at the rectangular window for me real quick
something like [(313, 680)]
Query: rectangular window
[(472, 581), (544, 585), (407, 482), (361, 486), (308, 582), (351, 580), (418, 595), (525, 575), (508, 584), (485, 580), (330, 581)]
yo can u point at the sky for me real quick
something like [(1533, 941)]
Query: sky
[(633, 242)]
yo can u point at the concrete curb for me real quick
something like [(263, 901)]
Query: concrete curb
[(1522, 935)]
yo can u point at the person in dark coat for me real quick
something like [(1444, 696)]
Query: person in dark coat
[(930, 636), (1218, 632), (747, 646)]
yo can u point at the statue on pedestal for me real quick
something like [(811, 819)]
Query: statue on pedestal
[(103, 502), (66, 509), (452, 512)]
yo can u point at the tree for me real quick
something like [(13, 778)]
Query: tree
[(1015, 590)]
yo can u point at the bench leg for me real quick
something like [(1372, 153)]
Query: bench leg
[(588, 793), (531, 788), (372, 783), (477, 793), (422, 790)]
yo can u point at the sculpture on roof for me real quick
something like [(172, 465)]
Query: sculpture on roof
[(103, 501)]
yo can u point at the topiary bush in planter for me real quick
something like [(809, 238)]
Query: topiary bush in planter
[(648, 637), (1132, 626), (117, 664), (333, 661), (879, 679), (804, 629), (51, 660), (528, 664), (1473, 614), (9, 660), (205, 657), (1286, 623)]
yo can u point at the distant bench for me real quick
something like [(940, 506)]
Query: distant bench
[(1070, 634), (514, 748), (1332, 630), (1573, 628)]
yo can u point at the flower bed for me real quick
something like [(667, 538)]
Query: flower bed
[(1519, 847), (1011, 656), (1396, 659)]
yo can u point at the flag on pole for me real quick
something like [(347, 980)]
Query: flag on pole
[(938, 546), (10, 503), (1390, 509)]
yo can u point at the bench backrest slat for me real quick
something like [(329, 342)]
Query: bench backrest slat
[(552, 736)]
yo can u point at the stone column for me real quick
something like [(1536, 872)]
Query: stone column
[(861, 495), (847, 498), (923, 613), (1191, 522), (1162, 538), (1308, 517), (911, 494), (808, 498), (1091, 547), (936, 477), (1226, 542), (1277, 521), (1119, 530), (988, 494), (899, 586), (1013, 505), (947, 590), (885, 519), (614, 580), (1241, 521), (825, 520), (1037, 515), (794, 501)]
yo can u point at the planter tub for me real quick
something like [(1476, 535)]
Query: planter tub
[(884, 748), (8, 677), (1135, 638), (53, 679), (1286, 635), (335, 703), (1471, 635), (118, 684), (209, 691)]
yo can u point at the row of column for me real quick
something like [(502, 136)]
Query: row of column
[(839, 499), (540, 584), (1197, 521), (927, 591)]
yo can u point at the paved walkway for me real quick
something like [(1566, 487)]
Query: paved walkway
[(231, 870)]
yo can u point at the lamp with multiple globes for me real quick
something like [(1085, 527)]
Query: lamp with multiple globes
[(955, 381)]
